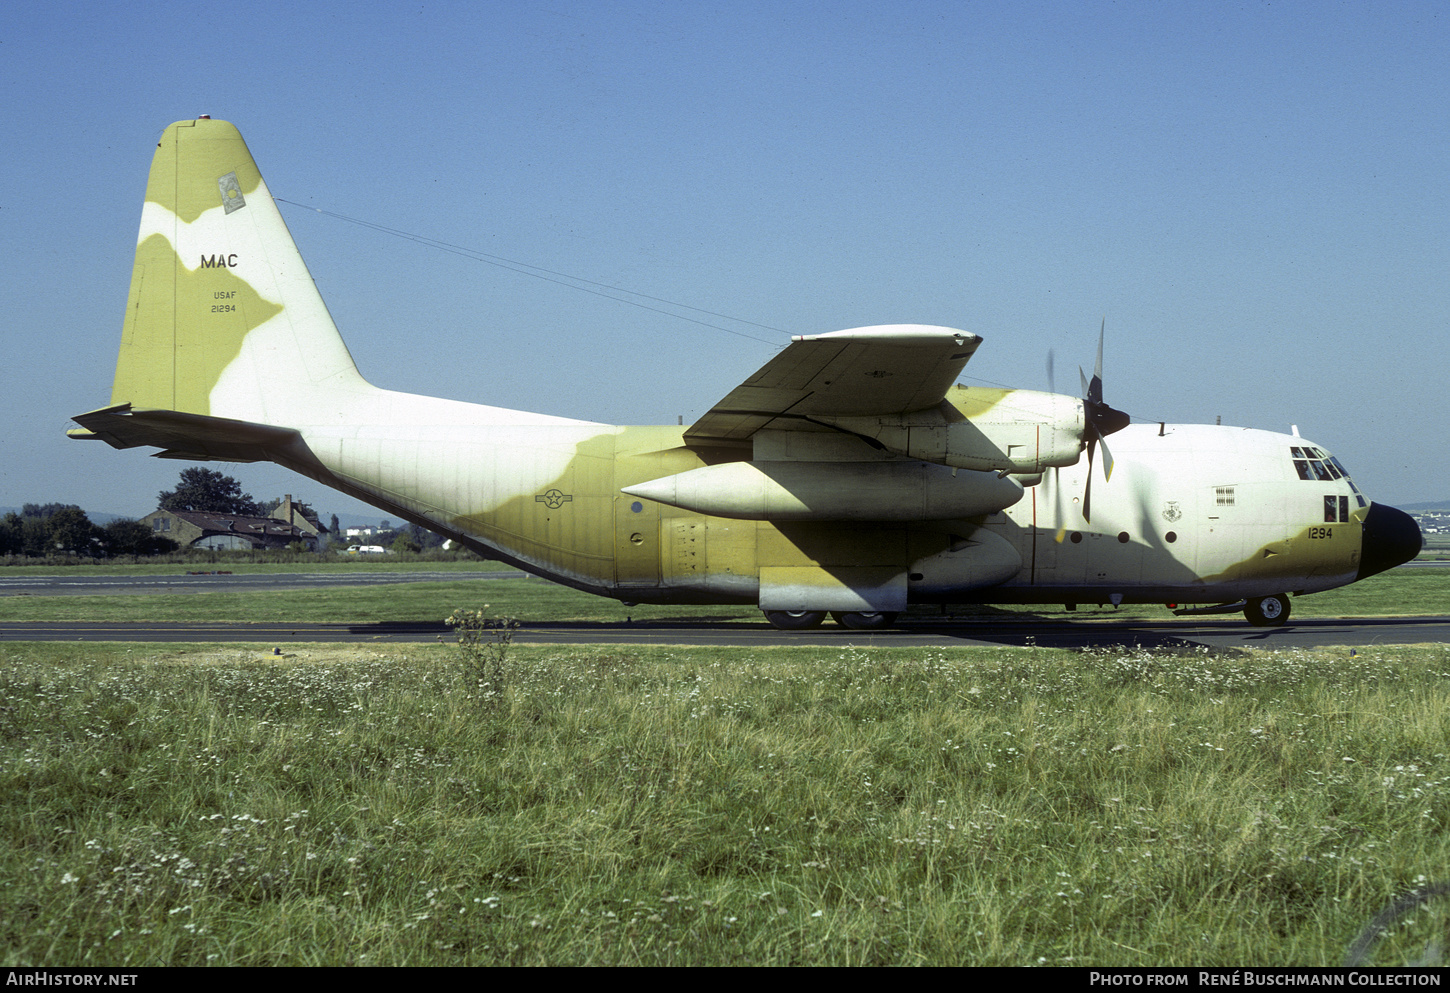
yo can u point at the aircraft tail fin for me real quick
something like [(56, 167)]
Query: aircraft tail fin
[(223, 320)]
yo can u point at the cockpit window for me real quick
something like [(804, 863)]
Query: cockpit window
[(1314, 469), (1317, 465)]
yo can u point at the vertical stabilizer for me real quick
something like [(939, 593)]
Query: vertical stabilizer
[(223, 318)]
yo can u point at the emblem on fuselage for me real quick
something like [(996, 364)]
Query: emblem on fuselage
[(1171, 512), (231, 191), (553, 499)]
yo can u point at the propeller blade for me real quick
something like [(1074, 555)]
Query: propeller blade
[(1087, 490), (1098, 369)]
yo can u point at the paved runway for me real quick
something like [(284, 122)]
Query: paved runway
[(1167, 633), (1225, 632)]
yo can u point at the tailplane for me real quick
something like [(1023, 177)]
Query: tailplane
[(226, 344)]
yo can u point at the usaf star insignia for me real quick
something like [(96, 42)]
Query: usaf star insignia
[(553, 499)]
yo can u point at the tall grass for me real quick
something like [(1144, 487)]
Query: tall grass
[(1006, 806)]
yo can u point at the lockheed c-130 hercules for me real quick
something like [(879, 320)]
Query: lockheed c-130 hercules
[(848, 476)]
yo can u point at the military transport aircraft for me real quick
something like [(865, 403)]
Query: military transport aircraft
[(848, 476)]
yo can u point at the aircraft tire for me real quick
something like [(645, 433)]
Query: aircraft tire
[(1268, 611), (795, 620), (864, 620)]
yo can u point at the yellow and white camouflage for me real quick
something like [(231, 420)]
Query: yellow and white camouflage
[(848, 475)]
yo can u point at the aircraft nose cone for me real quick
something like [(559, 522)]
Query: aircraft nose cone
[(1390, 537)]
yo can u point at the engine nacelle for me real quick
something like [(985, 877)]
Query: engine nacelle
[(983, 429)]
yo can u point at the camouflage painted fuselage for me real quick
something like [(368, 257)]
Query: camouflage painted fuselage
[(847, 475), (1192, 514)]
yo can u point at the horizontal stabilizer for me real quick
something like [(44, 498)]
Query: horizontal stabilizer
[(182, 435)]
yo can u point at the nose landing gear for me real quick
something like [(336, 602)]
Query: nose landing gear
[(1267, 611)]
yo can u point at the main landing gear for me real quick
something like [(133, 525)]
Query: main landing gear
[(795, 620), (856, 620), (1267, 611)]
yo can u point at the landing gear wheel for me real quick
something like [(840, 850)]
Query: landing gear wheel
[(795, 620), (1268, 611), (864, 620)]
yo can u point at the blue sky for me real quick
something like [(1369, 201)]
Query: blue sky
[(1253, 195)]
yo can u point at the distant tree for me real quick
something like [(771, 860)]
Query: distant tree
[(73, 531), (424, 538), (35, 536), (11, 531), (123, 537), (335, 527), (403, 543), (210, 491), (45, 511)]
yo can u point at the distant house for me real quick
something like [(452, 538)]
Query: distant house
[(301, 515), (200, 529)]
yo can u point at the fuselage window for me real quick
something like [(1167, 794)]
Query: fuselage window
[(1336, 510)]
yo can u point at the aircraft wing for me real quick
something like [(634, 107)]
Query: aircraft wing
[(883, 370)]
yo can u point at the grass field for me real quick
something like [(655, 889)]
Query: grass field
[(191, 805), (1012, 806)]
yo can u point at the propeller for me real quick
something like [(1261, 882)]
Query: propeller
[(1102, 420)]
